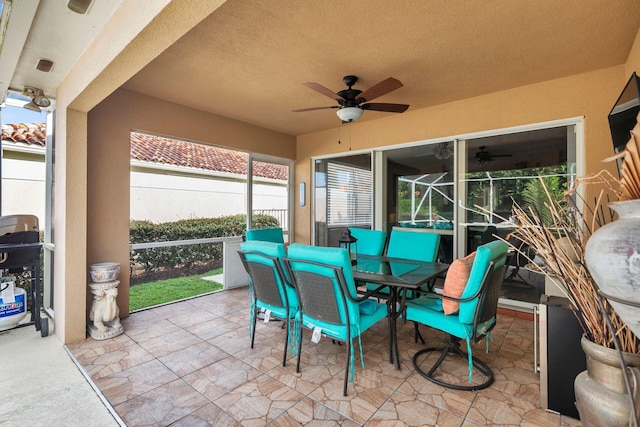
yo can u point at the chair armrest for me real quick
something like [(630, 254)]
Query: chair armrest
[(366, 295)]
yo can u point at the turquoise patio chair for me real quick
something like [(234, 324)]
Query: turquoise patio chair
[(370, 242), (473, 321), (413, 245), (275, 235), (270, 289), (328, 301)]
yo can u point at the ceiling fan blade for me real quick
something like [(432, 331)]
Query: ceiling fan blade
[(312, 109), (323, 90), (381, 106), (382, 88), (502, 155)]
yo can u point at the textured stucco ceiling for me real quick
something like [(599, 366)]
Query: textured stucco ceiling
[(249, 59), (59, 35)]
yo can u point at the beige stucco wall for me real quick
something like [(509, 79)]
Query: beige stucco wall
[(70, 221), (135, 34), (91, 194), (633, 61), (110, 124), (590, 95)]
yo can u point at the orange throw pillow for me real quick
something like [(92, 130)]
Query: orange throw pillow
[(455, 282)]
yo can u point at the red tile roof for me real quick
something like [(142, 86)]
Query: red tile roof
[(156, 149), (30, 134)]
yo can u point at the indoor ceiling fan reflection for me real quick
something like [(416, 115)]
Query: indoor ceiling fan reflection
[(484, 156)]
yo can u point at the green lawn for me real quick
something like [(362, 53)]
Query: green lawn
[(163, 291)]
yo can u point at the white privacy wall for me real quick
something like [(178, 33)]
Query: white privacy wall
[(23, 188), (162, 198), (156, 195)]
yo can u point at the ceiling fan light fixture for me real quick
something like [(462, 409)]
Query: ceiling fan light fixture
[(349, 114)]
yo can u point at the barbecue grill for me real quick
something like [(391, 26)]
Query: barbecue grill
[(20, 252)]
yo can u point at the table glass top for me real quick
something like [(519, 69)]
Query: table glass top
[(396, 271)]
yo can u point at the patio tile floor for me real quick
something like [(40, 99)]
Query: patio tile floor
[(190, 364)]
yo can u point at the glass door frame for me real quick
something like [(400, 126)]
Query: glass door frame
[(251, 157), (48, 245)]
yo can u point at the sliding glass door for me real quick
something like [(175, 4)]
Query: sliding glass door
[(270, 193), (462, 189)]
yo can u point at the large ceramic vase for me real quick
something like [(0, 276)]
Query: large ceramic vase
[(612, 255), (601, 394)]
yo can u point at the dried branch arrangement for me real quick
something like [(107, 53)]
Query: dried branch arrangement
[(561, 246)]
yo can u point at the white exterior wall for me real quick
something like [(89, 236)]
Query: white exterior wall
[(157, 197), (23, 189), (163, 198)]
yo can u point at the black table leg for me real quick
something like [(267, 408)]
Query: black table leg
[(390, 317), (393, 334)]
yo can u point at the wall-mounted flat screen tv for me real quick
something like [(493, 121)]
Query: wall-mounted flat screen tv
[(622, 117)]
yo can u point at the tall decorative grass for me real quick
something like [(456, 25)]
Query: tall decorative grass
[(559, 241)]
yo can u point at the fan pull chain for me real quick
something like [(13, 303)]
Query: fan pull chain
[(340, 135)]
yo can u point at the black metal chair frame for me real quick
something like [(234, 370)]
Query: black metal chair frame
[(318, 303), (487, 307), (517, 258), (265, 287)]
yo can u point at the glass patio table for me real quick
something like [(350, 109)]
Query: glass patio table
[(396, 274)]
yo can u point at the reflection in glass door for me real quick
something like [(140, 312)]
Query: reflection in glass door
[(422, 193), (269, 203), (343, 197), (498, 171)]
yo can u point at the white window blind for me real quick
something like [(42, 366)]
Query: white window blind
[(349, 195)]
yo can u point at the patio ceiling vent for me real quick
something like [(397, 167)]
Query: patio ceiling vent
[(79, 6)]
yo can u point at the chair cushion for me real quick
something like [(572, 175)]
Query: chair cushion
[(484, 255), (332, 256), (369, 242), (418, 245), (273, 249), (368, 307), (266, 234), (455, 282), (340, 331), (419, 311)]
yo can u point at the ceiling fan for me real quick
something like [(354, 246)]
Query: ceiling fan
[(352, 102), (484, 156)]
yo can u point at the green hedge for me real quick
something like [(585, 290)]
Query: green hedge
[(191, 255)]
